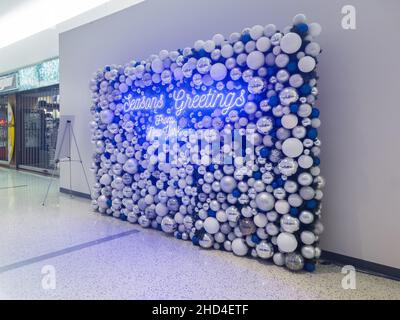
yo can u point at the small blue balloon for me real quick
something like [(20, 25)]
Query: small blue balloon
[(305, 89), (294, 212), (312, 133), (264, 152), (245, 38), (273, 101), (315, 113), (309, 266), (294, 107), (311, 204), (302, 28), (292, 67), (236, 193), (257, 175), (211, 213), (255, 239)]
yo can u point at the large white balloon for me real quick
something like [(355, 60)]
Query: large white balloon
[(265, 201), (292, 147), (290, 43), (239, 247), (286, 242), (255, 60), (228, 184), (211, 225), (218, 72), (306, 64)]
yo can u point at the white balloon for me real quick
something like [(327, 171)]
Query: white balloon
[(269, 30), (289, 121), (106, 116), (131, 166), (221, 216), (314, 29), (290, 42), (265, 201), (157, 65), (282, 206), (313, 49), (228, 184), (161, 209), (211, 225), (260, 220), (299, 18), (292, 147), (286, 242), (279, 259), (218, 39), (306, 64), (308, 252), (307, 237), (227, 51), (256, 32), (218, 71), (305, 110), (263, 44), (255, 60), (209, 45), (106, 179), (239, 247)]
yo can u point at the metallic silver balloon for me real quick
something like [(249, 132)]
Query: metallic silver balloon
[(247, 226), (264, 250), (306, 217), (289, 223), (294, 261), (308, 252), (207, 241), (168, 224), (288, 96), (288, 166)]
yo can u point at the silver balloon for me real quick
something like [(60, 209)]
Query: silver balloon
[(247, 226), (289, 223), (233, 214), (168, 224), (144, 221), (203, 65), (306, 217), (256, 85), (264, 250), (207, 241), (265, 125), (288, 166), (288, 96), (294, 261), (308, 252)]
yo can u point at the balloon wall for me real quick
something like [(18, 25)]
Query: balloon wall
[(217, 144)]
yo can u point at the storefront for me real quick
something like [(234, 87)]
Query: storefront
[(31, 95)]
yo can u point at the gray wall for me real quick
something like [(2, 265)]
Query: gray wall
[(359, 90)]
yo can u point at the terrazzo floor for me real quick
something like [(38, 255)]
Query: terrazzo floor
[(91, 256)]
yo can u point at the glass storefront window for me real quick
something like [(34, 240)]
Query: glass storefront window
[(38, 121)]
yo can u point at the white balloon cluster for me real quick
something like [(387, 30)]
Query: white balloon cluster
[(265, 204)]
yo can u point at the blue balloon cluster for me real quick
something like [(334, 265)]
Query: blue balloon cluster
[(217, 144)]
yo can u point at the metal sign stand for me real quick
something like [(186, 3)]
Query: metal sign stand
[(68, 130)]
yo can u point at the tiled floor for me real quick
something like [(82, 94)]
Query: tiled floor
[(97, 257)]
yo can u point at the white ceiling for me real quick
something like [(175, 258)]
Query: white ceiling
[(25, 18), (34, 25), (8, 5)]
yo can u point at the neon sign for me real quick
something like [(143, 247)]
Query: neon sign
[(143, 103), (182, 101), (211, 99)]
